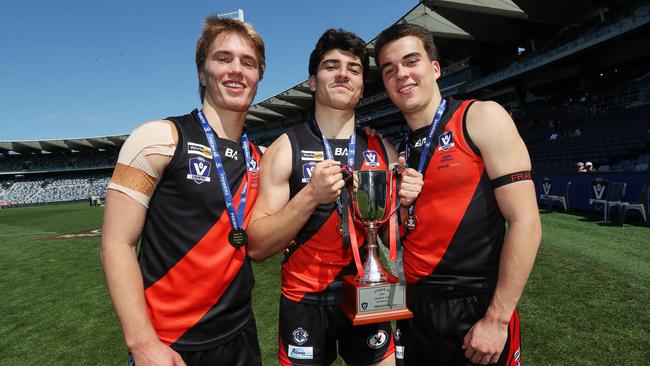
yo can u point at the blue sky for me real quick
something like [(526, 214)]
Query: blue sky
[(75, 68)]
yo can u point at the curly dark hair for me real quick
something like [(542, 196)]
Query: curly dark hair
[(342, 40)]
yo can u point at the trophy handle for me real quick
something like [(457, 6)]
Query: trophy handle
[(398, 204)]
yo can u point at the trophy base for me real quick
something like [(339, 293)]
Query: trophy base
[(366, 303)]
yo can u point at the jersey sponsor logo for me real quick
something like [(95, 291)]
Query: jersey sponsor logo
[(307, 155), (446, 158), (399, 352), (421, 142), (446, 141), (300, 336), (198, 149), (301, 353), (371, 158), (199, 170), (341, 151), (307, 171), (231, 153), (398, 334), (378, 340)]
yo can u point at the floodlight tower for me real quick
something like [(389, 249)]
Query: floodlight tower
[(239, 15)]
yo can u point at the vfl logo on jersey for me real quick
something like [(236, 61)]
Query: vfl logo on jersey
[(199, 170), (378, 340), (371, 158), (231, 153), (307, 171), (446, 141), (300, 336), (421, 142), (198, 149), (301, 353), (307, 155)]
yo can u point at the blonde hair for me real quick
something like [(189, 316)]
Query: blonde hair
[(213, 26)]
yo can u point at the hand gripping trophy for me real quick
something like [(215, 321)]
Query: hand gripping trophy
[(374, 295)]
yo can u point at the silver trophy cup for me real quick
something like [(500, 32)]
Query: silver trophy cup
[(371, 204)]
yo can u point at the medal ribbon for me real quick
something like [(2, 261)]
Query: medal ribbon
[(427, 146), (347, 221), (236, 217)]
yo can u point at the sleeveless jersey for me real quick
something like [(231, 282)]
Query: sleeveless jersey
[(197, 286), (312, 272), (457, 242)]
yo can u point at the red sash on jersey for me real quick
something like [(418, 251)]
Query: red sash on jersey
[(318, 261), (199, 279)]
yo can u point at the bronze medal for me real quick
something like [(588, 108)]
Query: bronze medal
[(238, 238)]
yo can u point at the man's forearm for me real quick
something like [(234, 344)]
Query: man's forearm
[(269, 235), (126, 289), (517, 258)]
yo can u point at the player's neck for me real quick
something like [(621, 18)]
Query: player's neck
[(423, 117), (335, 123), (226, 123)]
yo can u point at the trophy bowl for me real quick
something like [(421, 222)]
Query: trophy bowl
[(375, 295)]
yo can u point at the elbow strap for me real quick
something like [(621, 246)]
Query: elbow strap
[(511, 178)]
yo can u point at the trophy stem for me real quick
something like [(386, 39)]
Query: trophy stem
[(373, 271)]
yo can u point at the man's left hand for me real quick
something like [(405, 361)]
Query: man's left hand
[(484, 342)]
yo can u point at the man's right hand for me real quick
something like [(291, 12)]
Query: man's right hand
[(326, 182), (155, 353)]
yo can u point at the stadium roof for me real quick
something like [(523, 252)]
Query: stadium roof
[(65, 145), (501, 23), (495, 25)]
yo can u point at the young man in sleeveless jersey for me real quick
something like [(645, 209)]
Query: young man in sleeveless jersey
[(184, 186), (300, 183), (465, 272)]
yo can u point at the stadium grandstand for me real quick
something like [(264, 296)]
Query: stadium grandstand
[(574, 76)]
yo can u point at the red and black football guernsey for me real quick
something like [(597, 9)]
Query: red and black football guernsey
[(312, 272), (197, 286), (457, 242)]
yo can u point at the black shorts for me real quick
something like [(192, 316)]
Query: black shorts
[(434, 336), (241, 350), (309, 335)]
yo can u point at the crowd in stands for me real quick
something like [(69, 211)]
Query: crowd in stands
[(57, 162), (25, 190)]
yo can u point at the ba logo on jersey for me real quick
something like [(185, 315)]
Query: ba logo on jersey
[(378, 340), (300, 336), (231, 153), (446, 141), (199, 170), (371, 158), (307, 171)]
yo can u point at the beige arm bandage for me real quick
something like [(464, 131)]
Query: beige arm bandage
[(136, 172)]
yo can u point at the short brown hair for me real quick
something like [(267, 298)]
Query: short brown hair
[(398, 31), (213, 26)]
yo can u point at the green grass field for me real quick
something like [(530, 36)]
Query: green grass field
[(586, 303)]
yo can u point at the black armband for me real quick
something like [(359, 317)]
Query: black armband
[(511, 178)]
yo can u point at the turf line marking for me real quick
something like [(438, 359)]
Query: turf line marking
[(28, 234)]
